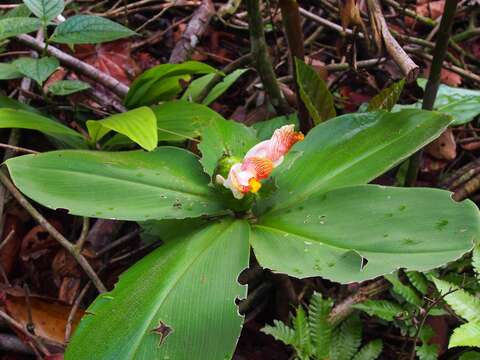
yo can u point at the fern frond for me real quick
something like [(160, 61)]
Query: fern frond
[(371, 351), (418, 280), (280, 332), (346, 339), (476, 261), (464, 304), (405, 291), (302, 333), (383, 309), (387, 98), (320, 328), (466, 335)]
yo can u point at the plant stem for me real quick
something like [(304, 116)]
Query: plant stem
[(261, 58), (293, 29), (431, 89)]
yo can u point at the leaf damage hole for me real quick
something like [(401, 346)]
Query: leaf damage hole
[(162, 330), (363, 263)]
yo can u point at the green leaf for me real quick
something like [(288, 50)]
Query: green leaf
[(37, 69), (67, 87), (6, 102), (140, 125), (353, 149), (383, 309), (265, 129), (314, 93), (10, 27), (320, 327), (150, 88), (224, 137), (188, 285), (181, 120), (371, 351), (405, 291), (89, 29), (427, 351), (346, 339), (471, 355), (164, 184), (302, 333), (466, 335), (280, 332), (360, 232), (169, 229), (21, 119), (464, 304), (9, 71), (223, 86), (21, 11), (45, 10), (387, 98), (476, 261), (419, 281)]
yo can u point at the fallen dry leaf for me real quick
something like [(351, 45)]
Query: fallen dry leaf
[(444, 147)]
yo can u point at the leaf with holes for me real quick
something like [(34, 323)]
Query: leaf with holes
[(45, 10), (89, 29), (18, 25), (140, 125), (314, 93), (177, 301), (37, 69), (164, 184), (361, 232)]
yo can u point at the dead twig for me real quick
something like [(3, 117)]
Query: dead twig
[(194, 31), (71, 248), (73, 311)]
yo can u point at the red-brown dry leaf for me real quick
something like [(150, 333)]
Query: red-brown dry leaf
[(9, 252), (318, 65), (49, 316), (471, 146), (38, 242), (432, 165), (447, 77), (444, 147), (58, 75), (432, 9), (54, 357), (351, 99), (69, 289)]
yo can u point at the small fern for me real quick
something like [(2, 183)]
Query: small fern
[(313, 337), (383, 309), (468, 307), (405, 291), (418, 280)]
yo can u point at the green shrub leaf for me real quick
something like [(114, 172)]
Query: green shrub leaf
[(314, 93), (387, 98), (360, 232), (67, 87), (466, 335), (18, 25), (140, 125), (9, 71), (185, 291), (164, 184), (45, 10), (37, 69), (89, 29)]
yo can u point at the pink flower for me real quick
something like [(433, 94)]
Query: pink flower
[(259, 162)]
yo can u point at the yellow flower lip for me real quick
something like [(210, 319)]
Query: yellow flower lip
[(255, 185)]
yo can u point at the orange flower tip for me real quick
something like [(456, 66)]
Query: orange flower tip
[(299, 137), (255, 185)]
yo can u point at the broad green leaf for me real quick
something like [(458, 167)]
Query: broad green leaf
[(89, 29), (462, 104), (180, 120), (314, 93), (197, 86), (188, 285), (466, 335), (9, 71), (353, 149), (21, 119), (149, 88), (67, 87), (139, 124), (6, 102), (21, 11), (37, 69), (18, 25), (266, 128), (371, 351), (360, 232), (224, 138), (169, 229), (384, 309), (464, 304), (387, 98), (136, 185), (45, 10), (346, 339)]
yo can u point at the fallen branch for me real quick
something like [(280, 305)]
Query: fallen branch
[(71, 248), (73, 63), (196, 27)]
